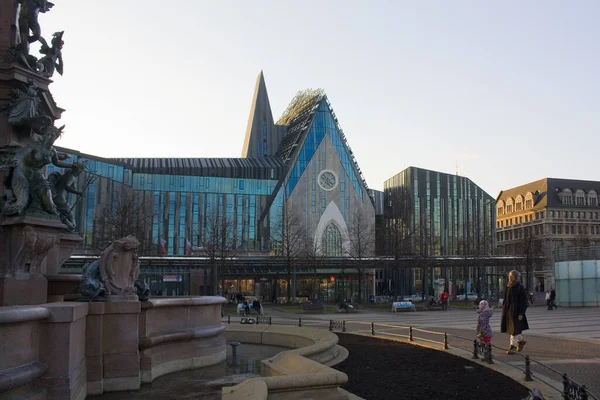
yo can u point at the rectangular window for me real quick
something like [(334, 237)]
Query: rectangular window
[(553, 228)]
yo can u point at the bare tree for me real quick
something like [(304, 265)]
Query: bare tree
[(314, 256), (530, 247), (361, 244), (288, 240), (126, 213), (217, 243)]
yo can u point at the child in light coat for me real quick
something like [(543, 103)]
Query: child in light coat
[(484, 330)]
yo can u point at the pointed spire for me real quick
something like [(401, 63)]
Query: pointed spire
[(260, 131)]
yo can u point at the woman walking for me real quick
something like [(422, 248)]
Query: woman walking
[(514, 321)]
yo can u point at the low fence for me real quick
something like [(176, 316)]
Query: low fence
[(571, 390)]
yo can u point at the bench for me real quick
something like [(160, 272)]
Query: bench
[(241, 309), (403, 305), (311, 307)]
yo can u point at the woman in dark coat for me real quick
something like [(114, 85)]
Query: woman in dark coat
[(514, 321)]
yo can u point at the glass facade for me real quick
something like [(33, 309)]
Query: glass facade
[(430, 214), (443, 214), (170, 213), (323, 125)]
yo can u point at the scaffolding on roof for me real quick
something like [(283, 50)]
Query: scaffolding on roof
[(302, 104)]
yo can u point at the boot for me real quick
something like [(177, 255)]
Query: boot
[(511, 350), (521, 344)]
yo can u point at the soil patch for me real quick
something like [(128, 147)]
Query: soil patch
[(384, 369)]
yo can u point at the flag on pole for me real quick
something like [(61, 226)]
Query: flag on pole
[(188, 248), (163, 247)]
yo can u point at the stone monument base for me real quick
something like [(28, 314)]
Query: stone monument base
[(23, 289), (30, 249)]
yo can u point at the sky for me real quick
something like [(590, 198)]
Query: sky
[(508, 90)]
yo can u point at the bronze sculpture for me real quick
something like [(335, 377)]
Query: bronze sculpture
[(26, 186), (61, 184), (29, 29), (52, 59)]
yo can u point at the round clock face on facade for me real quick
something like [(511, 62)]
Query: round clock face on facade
[(327, 180)]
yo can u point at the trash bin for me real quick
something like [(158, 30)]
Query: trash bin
[(371, 299)]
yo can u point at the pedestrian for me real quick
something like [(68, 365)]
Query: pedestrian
[(553, 298), (548, 300), (484, 330), (514, 306), (444, 298)]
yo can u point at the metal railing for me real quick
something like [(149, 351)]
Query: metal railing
[(571, 389)]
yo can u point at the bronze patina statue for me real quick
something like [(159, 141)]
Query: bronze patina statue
[(29, 28), (26, 186), (52, 60), (61, 184)]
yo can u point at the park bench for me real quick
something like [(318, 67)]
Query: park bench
[(311, 307), (241, 309), (403, 305)]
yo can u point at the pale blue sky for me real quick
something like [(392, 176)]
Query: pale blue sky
[(508, 89)]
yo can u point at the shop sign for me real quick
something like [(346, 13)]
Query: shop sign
[(172, 278)]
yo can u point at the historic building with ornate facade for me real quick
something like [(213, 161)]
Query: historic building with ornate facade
[(541, 217)]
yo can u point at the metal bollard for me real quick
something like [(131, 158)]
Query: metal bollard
[(372, 328), (566, 387), (583, 393), (475, 356), (528, 377), (343, 326), (330, 325), (299, 322), (234, 346), (445, 341), (410, 334), (488, 353)]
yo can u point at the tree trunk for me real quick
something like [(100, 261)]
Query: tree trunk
[(294, 291), (359, 286), (215, 280)]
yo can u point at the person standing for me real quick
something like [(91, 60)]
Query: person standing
[(548, 300), (514, 321), (553, 299), (484, 330), (444, 299)]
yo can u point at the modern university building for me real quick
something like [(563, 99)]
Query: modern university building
[(295, 193)]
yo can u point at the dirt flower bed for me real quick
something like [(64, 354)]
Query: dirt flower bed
[(388, 370)]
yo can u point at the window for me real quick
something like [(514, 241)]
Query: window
[(553, 228), (572, 229), (519, 203), (332, 241), (529, 200), (559, 229)]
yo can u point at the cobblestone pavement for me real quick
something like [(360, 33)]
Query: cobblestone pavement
[(566, 340)]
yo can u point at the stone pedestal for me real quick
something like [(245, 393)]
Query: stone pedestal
[(112, 346), (31, 248), (62, 349)]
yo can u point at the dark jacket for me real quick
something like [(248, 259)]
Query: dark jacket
[(515, 304)]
